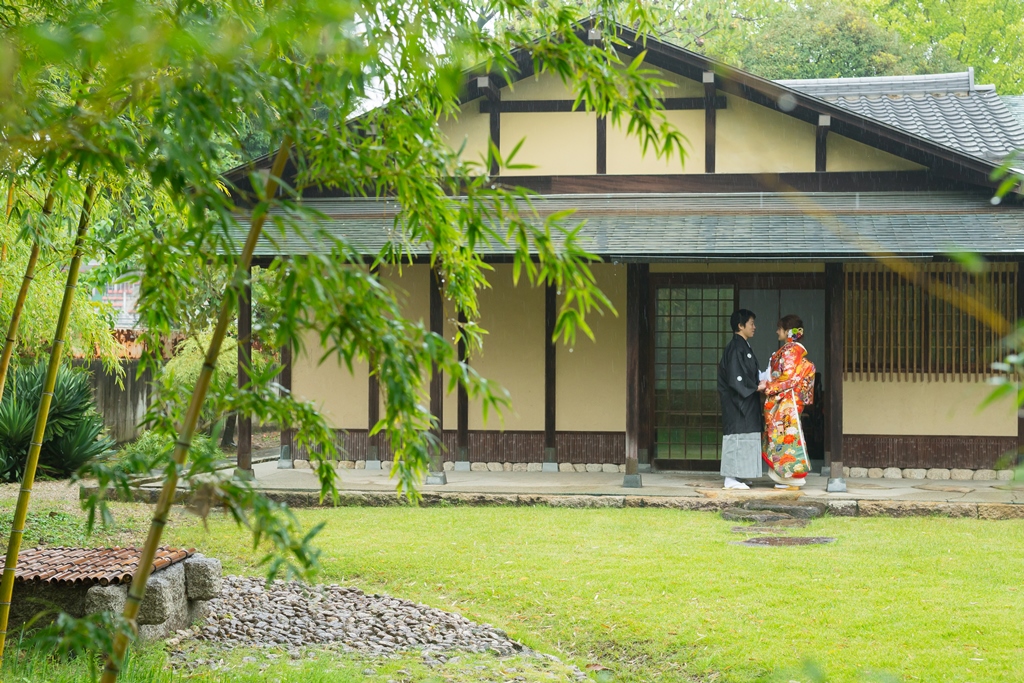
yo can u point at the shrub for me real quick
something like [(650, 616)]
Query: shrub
[(139, 456), (74, 431)]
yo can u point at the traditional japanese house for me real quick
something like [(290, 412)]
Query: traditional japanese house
[(844, 201)]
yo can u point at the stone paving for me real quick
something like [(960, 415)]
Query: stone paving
[(988, 498)]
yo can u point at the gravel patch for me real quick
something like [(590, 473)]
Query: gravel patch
[(292, 615), (59, 490)]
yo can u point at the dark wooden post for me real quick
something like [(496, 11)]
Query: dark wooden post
[(821, 143), (488, 89), (634, 278), (602, 145), (372, 418), (1014, 323), (709, 121), (462, 407), (436, 474), (244, 458), (645, 427), (835, 315), (550, 354), (285, 380)]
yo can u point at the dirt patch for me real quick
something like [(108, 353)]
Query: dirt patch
[(774, 541), (52, 491)]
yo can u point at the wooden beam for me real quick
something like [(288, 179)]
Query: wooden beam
[(462, 408), (550, 354), (436, 474), (821, 144), (1020, 318), (634, 276), (284, 378), (373, 413), (492, 95), (835, 364), (602, 145), (710, 93), (488, 106), (645, 385), (244, 457)]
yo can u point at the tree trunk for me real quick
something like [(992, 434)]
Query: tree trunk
[(56, 351), (19, 305), (138, 587)]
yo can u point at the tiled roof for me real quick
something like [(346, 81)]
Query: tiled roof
[(945, 108), (89, 566), (756, 225), (1015, 103)]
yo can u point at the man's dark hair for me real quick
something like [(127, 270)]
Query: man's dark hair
[(740, 318)]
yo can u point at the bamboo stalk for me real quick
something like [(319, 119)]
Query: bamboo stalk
[(42, 415), (138, 587), (19, 305)]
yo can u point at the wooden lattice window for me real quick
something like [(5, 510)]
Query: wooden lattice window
[(927, 322)]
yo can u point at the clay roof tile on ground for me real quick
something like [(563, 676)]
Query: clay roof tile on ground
[(88, 566)]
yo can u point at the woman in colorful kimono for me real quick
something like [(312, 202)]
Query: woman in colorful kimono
[(789, 387)]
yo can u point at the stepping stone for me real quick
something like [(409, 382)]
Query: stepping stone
[(800, 509), (774, 541), (771, 527), (761, 517), (944, 489)]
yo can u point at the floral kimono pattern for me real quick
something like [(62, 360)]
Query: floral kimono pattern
[(785, 449)]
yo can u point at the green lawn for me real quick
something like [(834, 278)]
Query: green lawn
[(660, 595)]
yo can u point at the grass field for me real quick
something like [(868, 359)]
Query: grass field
[(660, 595)]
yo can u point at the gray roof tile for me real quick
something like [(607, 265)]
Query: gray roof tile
[(945, 108)]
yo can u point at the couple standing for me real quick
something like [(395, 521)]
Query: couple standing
[(771, 431)]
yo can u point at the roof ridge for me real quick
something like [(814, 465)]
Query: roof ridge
[(962, 81)]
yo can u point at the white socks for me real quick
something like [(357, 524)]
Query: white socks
[(731, 483)]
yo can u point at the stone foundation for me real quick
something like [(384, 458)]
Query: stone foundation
[(449, 466), (933, 473)]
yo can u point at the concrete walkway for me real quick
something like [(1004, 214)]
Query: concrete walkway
[(671, 489)]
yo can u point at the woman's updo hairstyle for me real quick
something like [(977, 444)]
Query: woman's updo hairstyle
[(790, 322)]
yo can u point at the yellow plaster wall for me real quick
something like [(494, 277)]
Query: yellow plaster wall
[(553, 143), (543, 87), (472, 129), (625, 153), (513, 351), (590, 380), (844, 154), (750, 138), (925, 409), (339, 394), (798, 267)]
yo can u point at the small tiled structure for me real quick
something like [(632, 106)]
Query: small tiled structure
[(81, 581)]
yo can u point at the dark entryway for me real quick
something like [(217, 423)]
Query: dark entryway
[(690, 321)]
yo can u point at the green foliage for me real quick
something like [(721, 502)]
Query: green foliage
[(74, 431), (985, 34), (151, 448), (835, 39)]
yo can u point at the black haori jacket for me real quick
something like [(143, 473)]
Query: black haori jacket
[(737, 389)]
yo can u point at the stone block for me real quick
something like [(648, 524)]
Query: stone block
[(858, 472), (846, 472), (1004, 475), (874, 473), (759, 516), (202, 577), (610, 468), (165, 596), (565, 467), (984, 475), (478, 466), (593, 467), (937, 473), (584, 501), (579, 467), (386, 465), (841, 508), (361, 464), (506, 467), (106, 599), (346, 464), (915, 473), (300, 464), (802, 509), (892, 473), (961, 474), (447, 466), (1000, 511), (198, 611), (906, 508), (519, 467), (622, 469), (495, 467), (534, 467)]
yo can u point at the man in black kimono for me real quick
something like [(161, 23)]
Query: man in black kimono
[(742, 419)]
